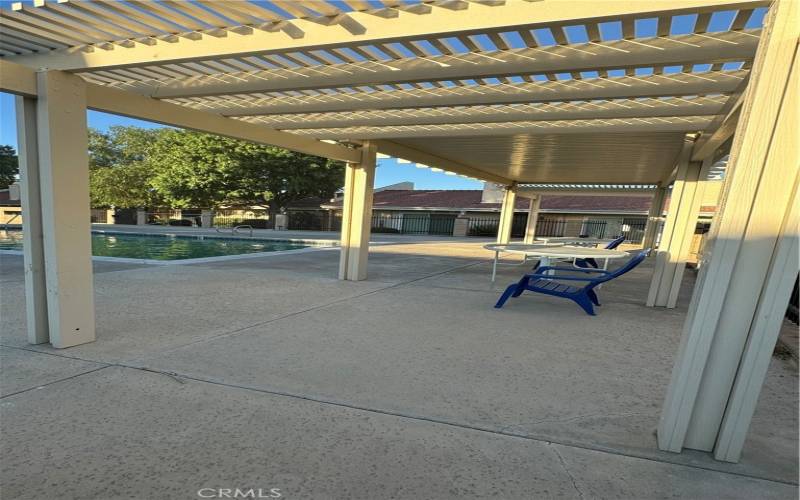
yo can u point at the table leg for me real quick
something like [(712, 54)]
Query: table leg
[(605, 268), (544, 262), (494, 265)]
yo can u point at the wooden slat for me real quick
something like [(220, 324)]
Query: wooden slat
[(701, 25), (628, 28), (664, 26), (741, 19), (64, 24), (593, 32), (44, 30), (559, 35)]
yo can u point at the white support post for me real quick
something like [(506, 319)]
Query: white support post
[(357, 215), (32, 233), (673, 251), (654, 218), (743, 288), (761, 342), (64, 184), (507, 214), (533, 217)]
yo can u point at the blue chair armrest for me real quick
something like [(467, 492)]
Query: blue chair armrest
[(560, 277), (572, 269)]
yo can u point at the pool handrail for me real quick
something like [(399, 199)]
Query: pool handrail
[(235, 229)]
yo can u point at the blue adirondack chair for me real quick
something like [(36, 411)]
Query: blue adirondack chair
[(590, 262), (550, 284)]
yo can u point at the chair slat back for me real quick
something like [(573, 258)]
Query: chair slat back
[(614, 244), (632, 262)]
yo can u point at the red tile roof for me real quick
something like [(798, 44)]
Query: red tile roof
[(454, 200)]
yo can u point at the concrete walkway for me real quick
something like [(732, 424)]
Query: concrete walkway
[(270, 373)]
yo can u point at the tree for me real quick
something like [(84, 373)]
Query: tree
[(9, 166), (192, 169), (203, 170), (119, 174), (134, 167)]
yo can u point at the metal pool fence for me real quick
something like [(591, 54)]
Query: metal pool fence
[(258, 219), (314, 221), (430, 224)]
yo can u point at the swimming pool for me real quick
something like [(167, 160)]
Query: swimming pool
[(167, 247)]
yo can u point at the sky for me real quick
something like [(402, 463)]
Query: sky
[(389, 170)]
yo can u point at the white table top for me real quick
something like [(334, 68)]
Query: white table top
[(520, 247), (575, 240), (570, 252)]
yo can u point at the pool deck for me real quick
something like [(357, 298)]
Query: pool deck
[(271, 373)]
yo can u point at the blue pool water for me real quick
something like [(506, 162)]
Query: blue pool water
[(164, 247)]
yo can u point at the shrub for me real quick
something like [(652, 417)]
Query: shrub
[(255, 223), (180, 222)]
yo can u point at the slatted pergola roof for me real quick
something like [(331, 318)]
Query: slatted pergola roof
[(547, 91)]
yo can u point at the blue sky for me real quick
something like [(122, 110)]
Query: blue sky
[(389, 170)]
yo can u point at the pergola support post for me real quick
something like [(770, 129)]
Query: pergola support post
[(32, 233), (55, 172), (357, 215), (676, 239), (507, 214), (533, 217), (654, 218), (743, 289)]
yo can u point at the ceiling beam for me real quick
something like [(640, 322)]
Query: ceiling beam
[(621, 54), (633, 190), (718, 137), (17, 79), (484, 114), (677, 84), (20, 80), (135, 106), (415, 155), (294, 34), (610, 126), (721, 128)]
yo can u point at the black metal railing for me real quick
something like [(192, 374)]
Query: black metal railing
[(488, 226), (314, 221), (478, 225), (593, 228), (633, 230), (258, 219), (166, 218), (99, 215), (551, 227), (518, 225), (422, 224), (483, 225)]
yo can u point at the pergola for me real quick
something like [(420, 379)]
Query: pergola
[(538, 96)]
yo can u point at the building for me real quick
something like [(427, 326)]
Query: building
[(400, 208)]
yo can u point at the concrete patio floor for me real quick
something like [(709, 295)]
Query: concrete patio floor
[(270, 373)]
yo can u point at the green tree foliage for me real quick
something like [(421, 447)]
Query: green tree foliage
[(9, 166), (203, 170), (119, 173), (133, 167)]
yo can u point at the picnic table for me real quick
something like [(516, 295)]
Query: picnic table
[(546, 252)]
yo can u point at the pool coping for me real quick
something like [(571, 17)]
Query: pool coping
[(225, 236), (320, 246)]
